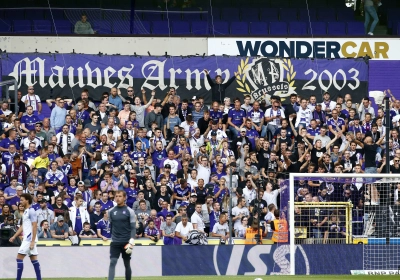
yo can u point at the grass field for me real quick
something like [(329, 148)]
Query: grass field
[(264, 277)]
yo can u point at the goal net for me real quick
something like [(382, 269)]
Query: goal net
[(339, 208)]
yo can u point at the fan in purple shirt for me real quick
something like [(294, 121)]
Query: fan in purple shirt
[(29, 120)]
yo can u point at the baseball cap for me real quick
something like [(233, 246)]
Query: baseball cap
[(204, 145), (81, 183), (124, 131), (110, 154), (60, 218), (19, 188), (87, 183), (243, 129), (213, 133), (194, 98), (193, 194), (167, 166)]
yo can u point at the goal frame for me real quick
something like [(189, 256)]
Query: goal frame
[(292, 177)]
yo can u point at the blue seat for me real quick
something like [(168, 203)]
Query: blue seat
[(62, 27), (230, 14), (345, 15), (214, 13), (280, 3), (193, 16), (269, 14), (278, 28), (396, 30), (102, 26), (307, 15), (297, 28), (326, 14), (160, 28), (317, 28), (42, 26), (173, 15), (181, 28), (58, 14), (142, 27), (22, 26), (259, 28), (289, 14), (355, 28), (250, 14), (220, 28), (14, 14), (199, 27), (5, 26), (121, 27), (239, 28), (337, 28), (34, 14), (153, 16), (392, 16)]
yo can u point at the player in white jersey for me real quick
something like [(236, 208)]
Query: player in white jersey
[(29, 230)]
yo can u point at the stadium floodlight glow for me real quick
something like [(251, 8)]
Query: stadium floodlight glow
[(384, 180)]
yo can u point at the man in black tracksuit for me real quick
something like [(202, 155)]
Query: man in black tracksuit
[(217, 88)]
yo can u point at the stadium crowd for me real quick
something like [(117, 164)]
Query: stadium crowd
[(176, 160)]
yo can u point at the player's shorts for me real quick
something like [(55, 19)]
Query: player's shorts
[(24, 249), (117, 248)]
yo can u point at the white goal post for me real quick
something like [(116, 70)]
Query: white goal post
[(386, 178)]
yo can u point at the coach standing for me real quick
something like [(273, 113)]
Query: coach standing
[(217, 88), (123, 231)]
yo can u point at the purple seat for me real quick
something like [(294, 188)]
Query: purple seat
[(62, 26), (160, 28), (14, 14), (122, 27), (288, 14), (57, 14), (307, 15), (269, 14), (297, 28), (317, 28), (219, 28), (230, 14), (250, 14), (396, 31), (141, 27), (42, 26), (239, 28), (345, 15), (199, 28), (392, 16), (181, 28), (278, 28), (5, 26), (34, 14), (355, 28), (259, 28), (326, 14), (22, 26), (337, 28), (102, 26)]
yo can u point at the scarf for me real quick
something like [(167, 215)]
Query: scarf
[(21, 173), (35, 108), (56, 174), (69, 140), (278, 114), (66, 168)]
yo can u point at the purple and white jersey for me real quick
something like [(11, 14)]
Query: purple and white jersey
[(30, 155), (181, 193), (26, 141), (106, 205), (252, 134), (237, 116), (30, 121), (105, 228), (7, 158), (175, 165), (5, 143), (313, 132), (336, 124), (131, 195), (255, 115), (136, 155), (158, 157), (216, 115)]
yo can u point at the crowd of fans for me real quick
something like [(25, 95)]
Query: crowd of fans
[(176, 160)]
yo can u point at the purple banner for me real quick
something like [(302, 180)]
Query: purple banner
[(58, 74)]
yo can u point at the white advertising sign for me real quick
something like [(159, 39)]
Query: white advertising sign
[(375, 48)]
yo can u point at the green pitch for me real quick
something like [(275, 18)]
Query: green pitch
[(264, 277)]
